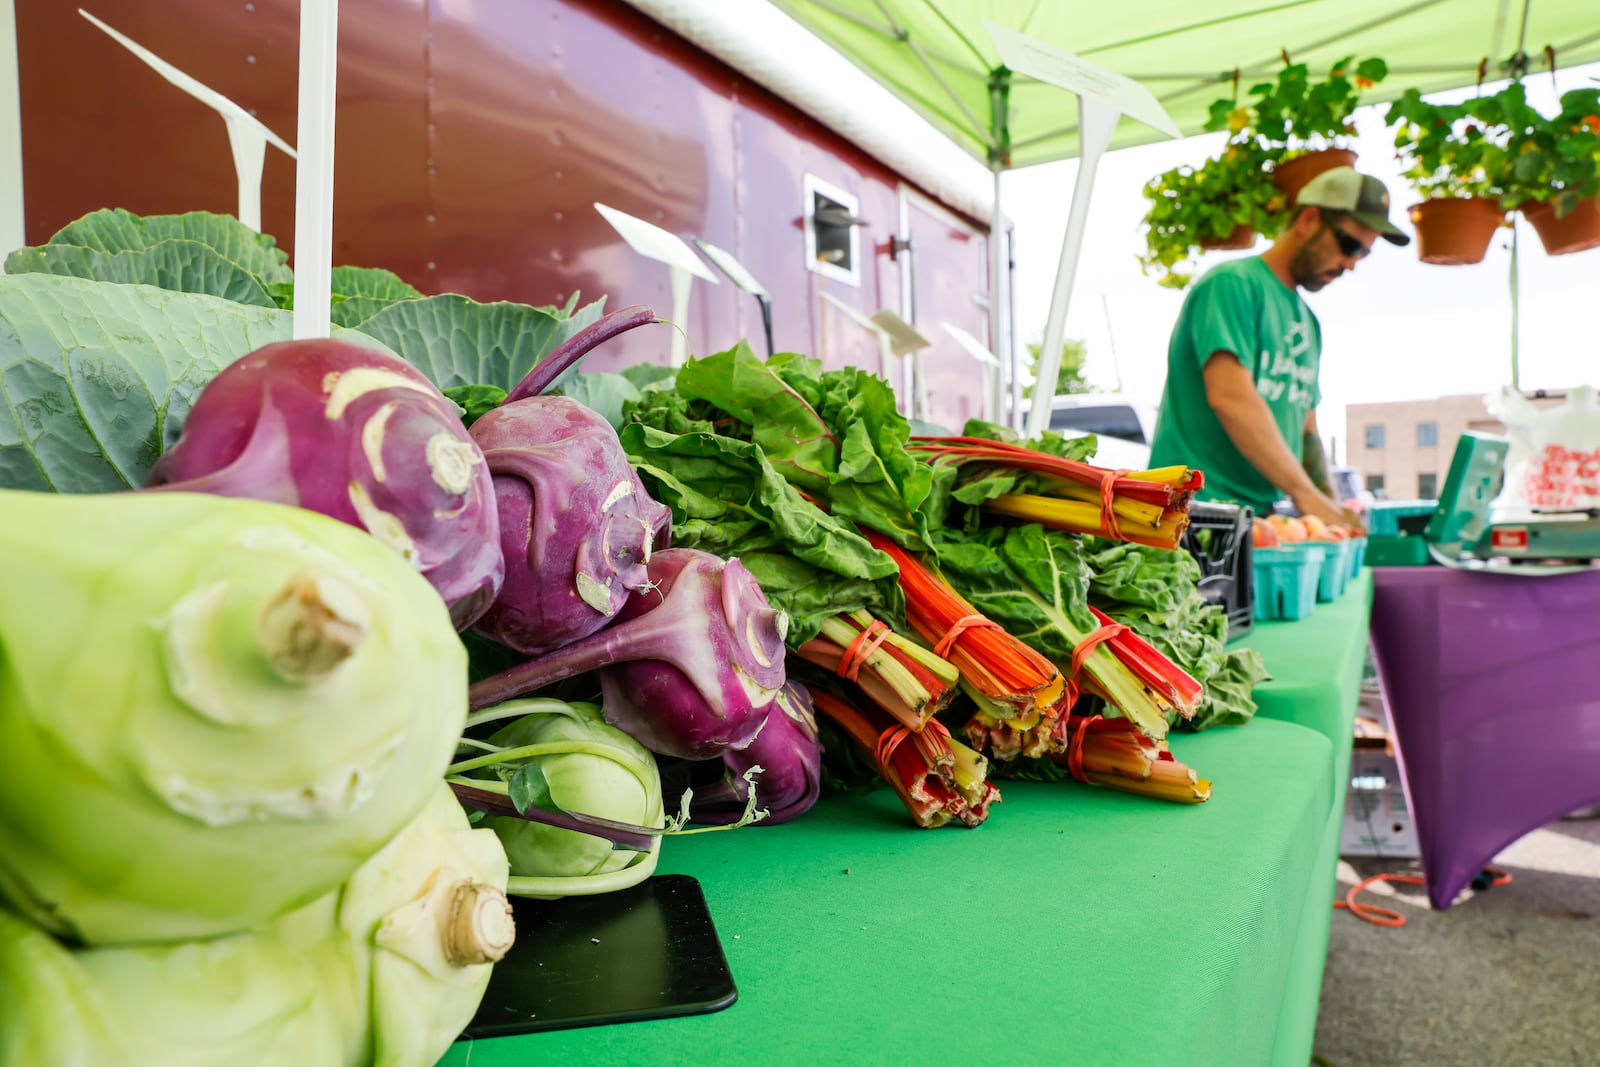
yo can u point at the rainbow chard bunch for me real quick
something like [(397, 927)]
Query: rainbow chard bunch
[(357, 434)]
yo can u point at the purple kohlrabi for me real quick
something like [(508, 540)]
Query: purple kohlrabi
[(688, 668), (576, 525), (790, 757), (356, 434)]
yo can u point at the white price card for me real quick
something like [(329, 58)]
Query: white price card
[(1047, 63)]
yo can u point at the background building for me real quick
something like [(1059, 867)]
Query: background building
[(1403, 448)]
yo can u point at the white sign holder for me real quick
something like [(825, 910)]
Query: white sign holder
[(246, 135), (904, 340), (972, 346), (739, 276), (683, 266), (896, 337), (1103, 97), (313, 180)]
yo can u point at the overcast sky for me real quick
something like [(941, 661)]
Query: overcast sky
[(1394, 329)]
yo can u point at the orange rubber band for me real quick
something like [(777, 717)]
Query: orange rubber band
[(1075, 749), (1108, 502), (861, 649), (888, 741), (959, 627), (1081, 651)]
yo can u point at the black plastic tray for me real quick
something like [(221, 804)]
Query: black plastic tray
[(648, 952)]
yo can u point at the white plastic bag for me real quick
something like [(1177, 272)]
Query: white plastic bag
[(1554, 455)]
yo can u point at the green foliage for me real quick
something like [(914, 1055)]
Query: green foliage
[(1500, 146), (1071, 379), (1446, 150), (1190, 206), (1296, 114), (1283, 118)]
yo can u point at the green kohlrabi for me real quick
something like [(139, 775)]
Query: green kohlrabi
[(384, 971), (566, 759), (211, 710)]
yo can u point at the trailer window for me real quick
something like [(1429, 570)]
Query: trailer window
[(833, 227)]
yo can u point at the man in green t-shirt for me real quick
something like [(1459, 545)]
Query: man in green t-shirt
[(1241, 394)]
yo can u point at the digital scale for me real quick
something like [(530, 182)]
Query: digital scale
[(1465, 530)]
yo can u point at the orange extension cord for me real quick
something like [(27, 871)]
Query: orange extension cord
[(1380, 916)]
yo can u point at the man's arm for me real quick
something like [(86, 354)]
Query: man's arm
[(1231, 392), (1313, 457)]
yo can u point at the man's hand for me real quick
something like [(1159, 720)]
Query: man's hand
[(1315, 502)]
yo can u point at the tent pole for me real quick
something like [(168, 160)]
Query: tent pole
[(1516, 299), (1004, 395)]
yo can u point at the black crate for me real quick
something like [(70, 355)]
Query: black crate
[(1218, 537)]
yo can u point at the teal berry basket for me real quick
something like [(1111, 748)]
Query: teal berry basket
[(1286, 580)]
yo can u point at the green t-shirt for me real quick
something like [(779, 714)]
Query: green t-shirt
[(1241, 307)]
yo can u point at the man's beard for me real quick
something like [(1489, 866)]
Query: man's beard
[(1306, 274)]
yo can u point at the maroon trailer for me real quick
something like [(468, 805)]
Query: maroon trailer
[(475, 136)]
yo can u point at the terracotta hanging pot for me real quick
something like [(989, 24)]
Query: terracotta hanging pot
[(1242, 236), (1291, 176), (1575, 231), (1455, 230)]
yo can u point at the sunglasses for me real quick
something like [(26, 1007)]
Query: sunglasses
[(1349, 246)]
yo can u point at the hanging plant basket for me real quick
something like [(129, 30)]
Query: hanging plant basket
[(1242, 236), (1575, 231), (1455, 230), (1290, 176)]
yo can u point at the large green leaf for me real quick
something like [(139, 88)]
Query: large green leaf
[(181, 265), (361, 292), (372, 282), (114, 230), (457, 341), (604, 393), (96, 379)]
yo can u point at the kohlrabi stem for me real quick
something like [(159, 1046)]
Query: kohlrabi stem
[(547, 370), (552, 748), (486, 797), (587, 885), (611, 645), (529, 706)]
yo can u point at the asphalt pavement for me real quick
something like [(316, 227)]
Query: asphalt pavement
[(1506, 977)]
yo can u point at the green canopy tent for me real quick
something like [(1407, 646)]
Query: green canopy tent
[(936, 56)]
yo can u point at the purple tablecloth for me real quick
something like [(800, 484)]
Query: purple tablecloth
[(1493, 695)]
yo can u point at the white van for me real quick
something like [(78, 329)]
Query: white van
[(1124, 428)]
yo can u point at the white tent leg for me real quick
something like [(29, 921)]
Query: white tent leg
[(313, 176), (13, 233)]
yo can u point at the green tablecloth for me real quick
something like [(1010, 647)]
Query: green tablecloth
[(1077, 925), (1316, 665)]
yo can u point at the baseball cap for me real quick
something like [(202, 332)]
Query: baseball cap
[(1361, 196)]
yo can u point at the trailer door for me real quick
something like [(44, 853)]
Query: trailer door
[(945, 279)]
